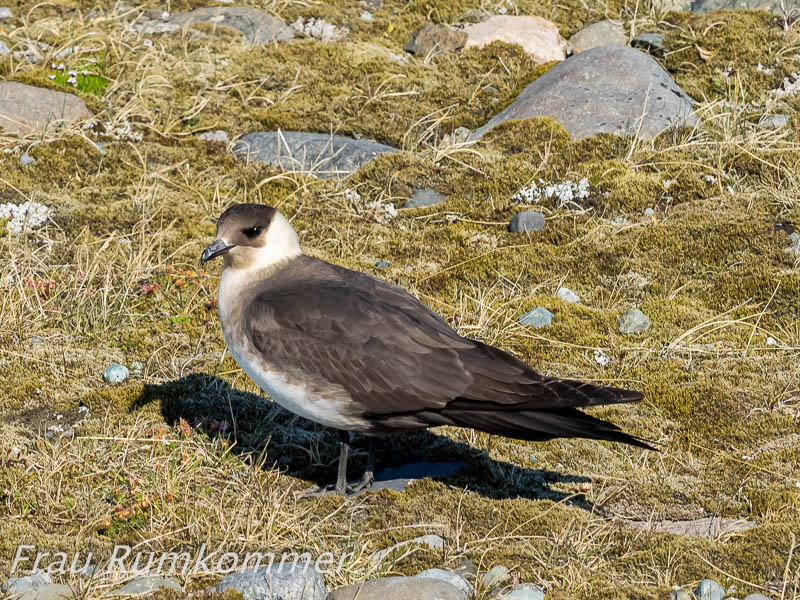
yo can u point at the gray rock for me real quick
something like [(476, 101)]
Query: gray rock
[(453, 579), (20, 585), (256, 26), (220, 135), (115, 373), (145, 585), (494, 576), (101, 147), (435, 38), (5, 12), (383, 264), (755, 597), (633, 321), (678, 593), (538, 317), (319, 154), (27, 109), (610, 89), (26, 159), (424, 197), (399, 588), (708, 589), (291, 581), (4, 49), (649, 211), (705, 527), (774, 121), (53, 591), (653, 42), (567, 295), (524, 591), (603, 33), (525, 221), (795, 247)]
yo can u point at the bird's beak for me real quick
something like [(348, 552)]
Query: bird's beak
[(217, 247)]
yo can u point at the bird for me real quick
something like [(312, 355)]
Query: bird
[(361, 355)]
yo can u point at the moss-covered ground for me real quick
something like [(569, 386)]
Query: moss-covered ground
[(186, 451)]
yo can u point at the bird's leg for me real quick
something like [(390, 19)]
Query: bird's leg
[(369, 477), (344, 453)]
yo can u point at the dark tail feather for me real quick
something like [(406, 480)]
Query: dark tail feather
[(543, 425), (579, 393)]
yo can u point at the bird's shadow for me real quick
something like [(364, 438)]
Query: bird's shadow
[(303, 449)]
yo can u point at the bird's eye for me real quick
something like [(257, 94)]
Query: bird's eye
[(252, 231)]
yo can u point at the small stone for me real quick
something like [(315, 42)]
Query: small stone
[(467, 567), (435, 38), (678, 593), (366, 16), (567, 295), (399, 588), (633, 321), (774, 121), (538, 317), (288, 581), (494, 576), (708, 589), (652, 42), (25, 108), (538, 37), (649, 211), (145, 585), (795, 247), (452, 578), (524, 591), (526, 221), (26, 159), (602, 33), (5, 12), (220, 135), (4, 49), (383, 264), (115, 373), (755, 597), (771, 341), (20, 585), (424, 197)]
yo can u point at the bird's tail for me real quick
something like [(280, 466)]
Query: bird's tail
[(559, 417)]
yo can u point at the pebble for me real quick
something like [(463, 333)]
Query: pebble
[(678, 593), (26, 159), (525, 221), (633, 321), (537, 36), (649, 211), (795, 247), (145, 585), (220, 135), (399, 588), (4, 49), (453, 579), (774, 121), (708, 589), (288, 581), (771, 341), (755, 597), (567, 295), (424, 197), (5, 12), (383, 264), (537, 318), (524, 591), (366, 16), (115, 373), (494, 576)]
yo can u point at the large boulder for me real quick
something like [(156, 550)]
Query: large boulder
[(27, 109), (610, 89), (319, 154)]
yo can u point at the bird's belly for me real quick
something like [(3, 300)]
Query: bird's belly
[(325, 406)]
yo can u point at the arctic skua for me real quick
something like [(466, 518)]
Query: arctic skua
[(361, 355)]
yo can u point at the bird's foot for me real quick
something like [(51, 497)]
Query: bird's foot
[(349, 490)]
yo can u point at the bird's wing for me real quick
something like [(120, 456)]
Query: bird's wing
[(396, 356)]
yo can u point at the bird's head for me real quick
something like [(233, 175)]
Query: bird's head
[(253, 236)]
